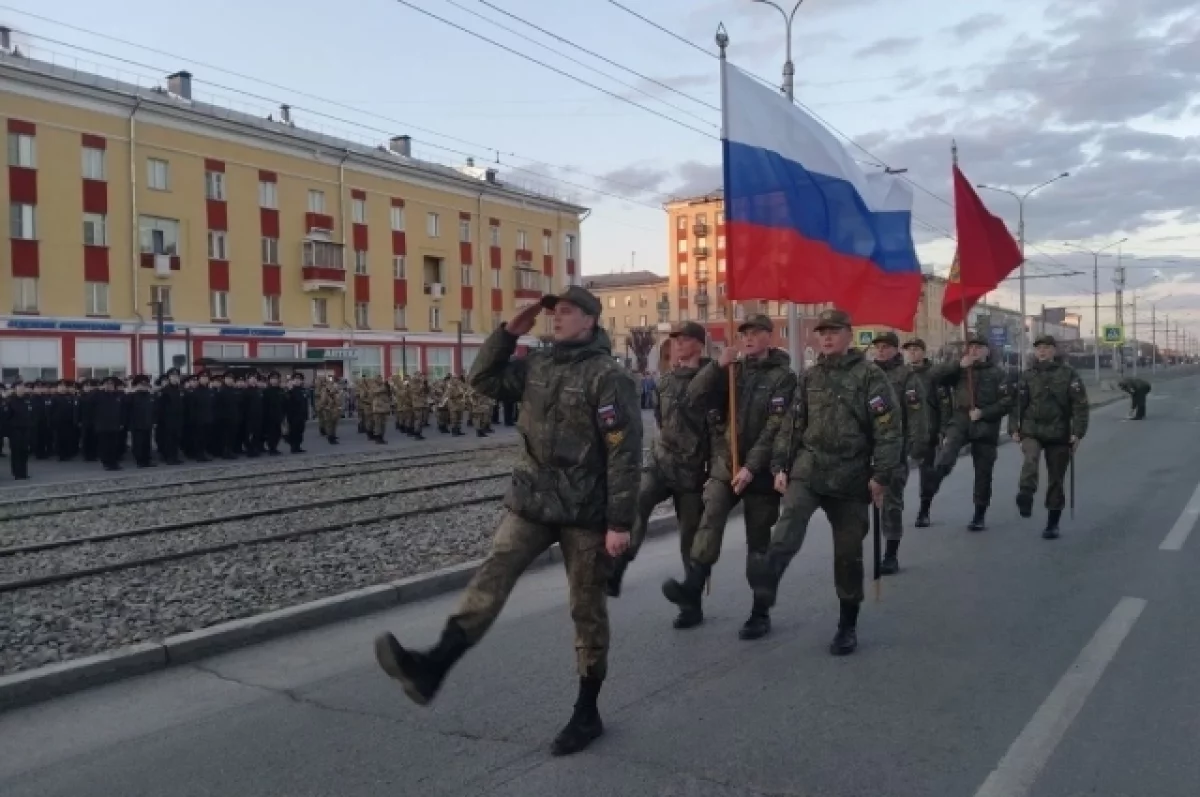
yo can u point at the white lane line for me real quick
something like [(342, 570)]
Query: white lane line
[(1178, 534), (1014, 776)]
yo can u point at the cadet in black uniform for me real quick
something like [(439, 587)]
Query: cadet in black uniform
[(110, 423), (200, 417), (18, 425), (139, 414), (252, 416), (297, 413), (274, 410), (87, 420)]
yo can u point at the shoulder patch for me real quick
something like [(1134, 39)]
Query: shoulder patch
[(614, 439), (1076, 386), (778, 405), (608, 416), (912, 397), (1004, 388), (880, 405)]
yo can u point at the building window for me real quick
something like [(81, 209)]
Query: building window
[(494, 236), (522, 240), (547, 245), (214, 185), (496, 279), (400, 317), (271, 314), (433, 226), (268, 195), (720, 241), (720, 216), (406, 359), (720, 265), (399, 267), (681, 223), (25, 294), (218, 305), (433, 272), (22, 222), (682, 246), (547, 283), (220, 351), (322, 254), (360, 261), (358, 211), (397, 219), (320, 312), (279, 350), (435, 319), (466, 321), (464, 231), (528, 280), (270, 251), (362, 317), (161, 294), (466, 275), (683, 269), (440, 362), (158, 174), (316, 201), (159, 236), (569, 247), (95, 298), (218, 245), (369, 362), (93, 163), (22, 150), (95, 229)]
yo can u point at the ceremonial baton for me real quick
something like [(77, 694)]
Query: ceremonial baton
[(876, 522)]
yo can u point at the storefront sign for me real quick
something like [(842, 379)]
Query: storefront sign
[(248, 332), (332, 354)]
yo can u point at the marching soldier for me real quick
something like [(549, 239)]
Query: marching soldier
[(398, 398), (678, 464), (440, 395), (381, 408), (419, 394), (1137, 389), (982, 398), (456, 403), (938, 407), (839, 452), (329, 409), (362, 404), (911, 409), (586, 404), (765, 383), (482, 408), (87, 421), (1050, 417), (252, 416)]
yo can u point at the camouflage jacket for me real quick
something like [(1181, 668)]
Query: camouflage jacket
[(1134, 386), (939, 401), (379, 396), (764, 391), (680, 452), (581, 427), (913, 406), (992, 395), (1052, 403), (843, 429)]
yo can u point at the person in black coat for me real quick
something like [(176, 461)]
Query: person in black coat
[(297, 413), (110, 423), (200, 417), (139, 415), (43, 420), (227, 410), (64, 420), (87, 420), (274, 411), (169, 415), (19, 426), (252, 416)]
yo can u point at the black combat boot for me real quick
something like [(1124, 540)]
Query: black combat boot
[(333, 439), (617, 575), (1051, 532), (443, 428), (585, 726), (890, 564), (421, 674), (976, 523), (688, 595), (845, 641), (759, 623), (923, 513), (1025, 504)]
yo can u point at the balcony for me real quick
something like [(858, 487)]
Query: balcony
[(527, 283), (702, 274), (700, 251), (322, 266), (701, 300), (700, 228), (662, 306), (435, 290)]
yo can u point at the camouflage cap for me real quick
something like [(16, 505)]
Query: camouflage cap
[(833, 319), (757, 321), (689, 329), (1045, 340), (889, 338), (584, 299), (915, 343)]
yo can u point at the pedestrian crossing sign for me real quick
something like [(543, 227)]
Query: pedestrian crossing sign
[(1114, 334)]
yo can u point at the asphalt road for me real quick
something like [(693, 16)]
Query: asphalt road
[(996, 664)]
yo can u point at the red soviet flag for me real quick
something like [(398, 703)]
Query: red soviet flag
[(986, 255)]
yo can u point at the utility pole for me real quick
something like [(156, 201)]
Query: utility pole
[(1095, 253), (1119, 281), (1153, 342), (1137, 350)]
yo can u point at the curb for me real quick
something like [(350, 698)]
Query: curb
[(56, 680)]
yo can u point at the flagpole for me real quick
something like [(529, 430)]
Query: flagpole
[(730, 254), (962, 296)]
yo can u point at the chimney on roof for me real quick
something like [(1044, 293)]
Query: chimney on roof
[(470, 161), (285, 115), (402, 145), (180, 84), (490, 176)]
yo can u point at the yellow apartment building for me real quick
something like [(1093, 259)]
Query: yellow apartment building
[(257, 237)]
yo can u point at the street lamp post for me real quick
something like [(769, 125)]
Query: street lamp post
[(1095, 253), (795, 349), (1021, 242)]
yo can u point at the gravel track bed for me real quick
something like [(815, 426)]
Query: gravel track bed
[(315, 479), (100, 613), (127, 549)]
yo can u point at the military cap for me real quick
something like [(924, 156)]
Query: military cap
[(978, 340), (757, 321), (171, 371), (112, 380), (889, 338), (273, 375), (140, 379), (689, 329), (914, 343), (1045, 340), (580, 297), (833, 319), (297, 375)]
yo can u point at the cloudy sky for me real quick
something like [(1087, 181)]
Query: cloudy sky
[(1106, 90)]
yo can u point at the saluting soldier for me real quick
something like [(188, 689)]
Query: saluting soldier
[(764, 383), (839, 452), (982, 399), (938, 407), (1137, 389), (678, 464), (575, 484), (1051, 417)]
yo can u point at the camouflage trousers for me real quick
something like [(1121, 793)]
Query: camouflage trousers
[(927, 470), (377, 422), (1058, 459), (892, 514), (443, 416), (983, 456), (482, 416), (689, 509), (327, 420), (456, 416), (849, 522), (362, 416), (404, 418), (518, 542), (761, 510)]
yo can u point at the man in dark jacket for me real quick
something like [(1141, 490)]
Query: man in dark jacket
[(252, 416), (139, 414), (1137, 389), (18, 425), (938, 408), (296, 412), (170, 417), (575, 483), (274, 410), (200, 417), (110, 423)]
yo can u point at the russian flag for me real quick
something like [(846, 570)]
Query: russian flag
[(803, 222)]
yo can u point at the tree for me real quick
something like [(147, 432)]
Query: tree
[(641, 341)]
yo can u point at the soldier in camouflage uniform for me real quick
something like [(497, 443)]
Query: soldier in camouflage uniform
[(1050, 417), (440, 395), (418, 391), (380, 408), (938, 408), (362, 403), (1137, 389), (456, 404), (678, 464), (911, 410), (575, 484), (983, 396), (396, 383), (329, 408), (839, 452), (481, 410), (765, 382)]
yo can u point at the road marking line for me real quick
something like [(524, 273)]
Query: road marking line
[(1014, 776), (1178, 534)]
